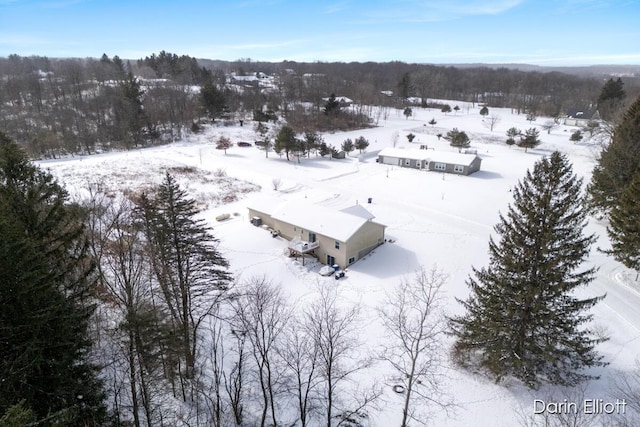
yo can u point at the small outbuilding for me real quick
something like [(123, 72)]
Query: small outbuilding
[(439, 161)]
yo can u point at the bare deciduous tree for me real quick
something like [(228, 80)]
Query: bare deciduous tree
[(211, 387), (395, 137), (626, 387), (117, 243), (261, 313), (299, 353), (549, 125), (414, 322), (334, 331), (491, 121), (234, 381)]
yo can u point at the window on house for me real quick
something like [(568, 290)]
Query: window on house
[(407, 162), (312, 237), (440, 166), (337, 245), (352, 260), (458, 168)]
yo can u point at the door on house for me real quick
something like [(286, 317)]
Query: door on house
[(331, 260)]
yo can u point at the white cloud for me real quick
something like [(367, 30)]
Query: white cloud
[(475, 7), (436, 10), (332, 8)]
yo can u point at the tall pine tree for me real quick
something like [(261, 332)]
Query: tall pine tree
[(618, 162), (624, 226), (46, 275), (522, 319), (192, 275), (530, 139), (611, 98)]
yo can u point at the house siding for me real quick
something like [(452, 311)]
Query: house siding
[(367, 238), (468, 169), (451, 167), (474, 166), (388, 160)]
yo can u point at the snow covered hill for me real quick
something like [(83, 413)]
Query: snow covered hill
[(432, 219)]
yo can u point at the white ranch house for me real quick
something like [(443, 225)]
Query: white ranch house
[(333, 237), (439, 161), (581, 117)]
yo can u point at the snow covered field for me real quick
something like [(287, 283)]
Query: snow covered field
[(432, 218)]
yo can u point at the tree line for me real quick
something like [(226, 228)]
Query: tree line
[(58, 107)]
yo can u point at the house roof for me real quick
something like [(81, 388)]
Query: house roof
[(405, 154), (581, 113), (358, 210), (339, 225), (245, 78), (430, 155), (341, 100)]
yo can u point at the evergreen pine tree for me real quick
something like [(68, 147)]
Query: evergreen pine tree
[(285, 141), (530, 139), (522, 319), (130, 115), (405, 85), (361, 143), (347, 145), (332, 106), (458, 138), (624, 226), (213, 100), (611, 98), (312, 142), (46, 274), (618, 162), (190, 272)]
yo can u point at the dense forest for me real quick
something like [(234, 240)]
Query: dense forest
[(55, 107)]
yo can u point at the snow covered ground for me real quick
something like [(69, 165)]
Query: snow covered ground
[(432, 218)]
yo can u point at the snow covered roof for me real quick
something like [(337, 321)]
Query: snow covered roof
[(341, 100), (339, 225), (581, 113), (358, 210), (405, 154), (429, 155), (244, 78)]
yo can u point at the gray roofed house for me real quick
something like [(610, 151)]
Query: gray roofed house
[(439, 161), (580, 116)]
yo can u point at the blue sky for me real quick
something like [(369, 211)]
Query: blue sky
[(543, 32)]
